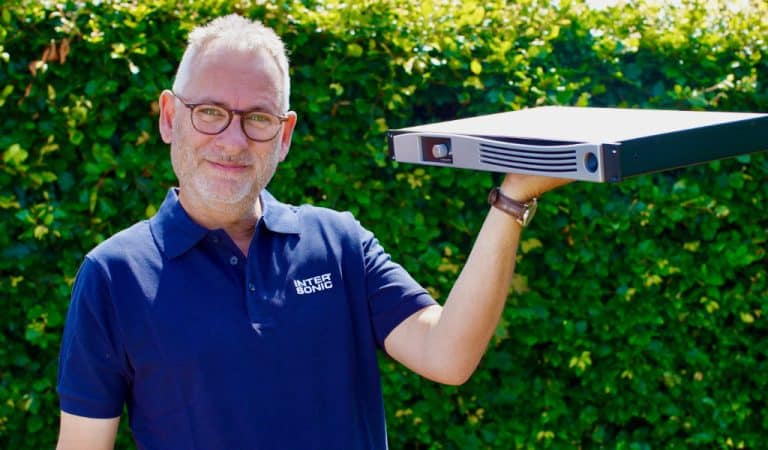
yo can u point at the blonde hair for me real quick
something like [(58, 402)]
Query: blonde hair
[(238, 33)]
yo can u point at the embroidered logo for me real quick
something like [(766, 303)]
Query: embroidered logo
[(313, 284)]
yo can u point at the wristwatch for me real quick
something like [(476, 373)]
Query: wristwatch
[(523, 212)]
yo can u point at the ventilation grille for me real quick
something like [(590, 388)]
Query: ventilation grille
[(532, 160)]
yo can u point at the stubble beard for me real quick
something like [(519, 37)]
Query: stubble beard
[(230, 195)]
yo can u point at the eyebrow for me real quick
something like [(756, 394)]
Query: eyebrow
[(261, 107)]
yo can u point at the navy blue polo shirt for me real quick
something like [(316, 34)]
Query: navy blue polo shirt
[(212, 350)]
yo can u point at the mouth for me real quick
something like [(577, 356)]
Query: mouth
[(228, 166)]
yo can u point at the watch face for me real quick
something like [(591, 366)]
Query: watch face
[(530, 211)]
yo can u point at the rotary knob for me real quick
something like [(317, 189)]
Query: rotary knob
[(440, 151)]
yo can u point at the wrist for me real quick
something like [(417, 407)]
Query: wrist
[(521, 211), (516, 192), (516, 195)]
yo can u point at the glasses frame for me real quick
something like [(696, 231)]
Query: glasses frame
[(230, 114)]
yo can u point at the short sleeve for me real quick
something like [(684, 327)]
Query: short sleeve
[(93, 368), (392, 293)]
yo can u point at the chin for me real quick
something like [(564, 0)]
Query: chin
[(230, 199), (227, 195)]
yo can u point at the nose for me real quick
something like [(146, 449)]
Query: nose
[(233, 138)]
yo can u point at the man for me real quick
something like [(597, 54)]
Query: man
[(230, 320)]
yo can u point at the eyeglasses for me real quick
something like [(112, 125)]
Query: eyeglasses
[(212, 119)]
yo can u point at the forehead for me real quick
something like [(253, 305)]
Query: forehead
[(237, 78)]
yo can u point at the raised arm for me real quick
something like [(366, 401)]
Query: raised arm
[(445, 344), (85, 433)]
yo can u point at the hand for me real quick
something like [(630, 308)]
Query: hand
[(524, 187)]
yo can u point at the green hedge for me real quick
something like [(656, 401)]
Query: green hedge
[(636, 319)]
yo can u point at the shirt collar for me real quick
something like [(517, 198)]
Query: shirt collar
[(175, 232), (277, 216)]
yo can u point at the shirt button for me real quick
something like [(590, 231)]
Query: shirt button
[(215, 239), (251, 287), (233, 260)]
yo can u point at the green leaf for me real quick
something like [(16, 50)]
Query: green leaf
[(475, 67), (354, 50), (15, 155)]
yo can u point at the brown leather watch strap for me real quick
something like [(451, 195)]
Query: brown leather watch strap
[(522, 211)]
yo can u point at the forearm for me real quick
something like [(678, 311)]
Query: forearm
[(446, 343), (457, 340)]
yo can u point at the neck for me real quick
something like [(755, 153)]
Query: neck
[(238, 220)]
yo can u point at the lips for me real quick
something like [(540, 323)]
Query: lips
[(228, 165)]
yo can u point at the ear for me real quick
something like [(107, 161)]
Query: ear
[(287, 134), (167, 111)]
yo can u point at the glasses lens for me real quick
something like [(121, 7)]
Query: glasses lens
[(210, 119), (260, 126)]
